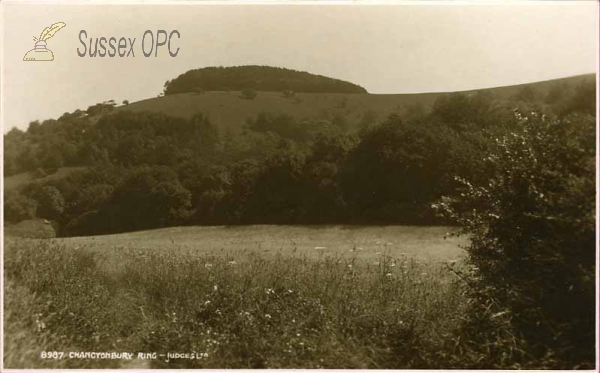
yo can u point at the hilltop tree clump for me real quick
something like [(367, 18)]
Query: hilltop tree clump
[(258, 78)]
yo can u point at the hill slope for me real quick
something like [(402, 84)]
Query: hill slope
[(228, 110)]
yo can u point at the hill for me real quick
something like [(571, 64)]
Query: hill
[(260, 78), (229, 110)]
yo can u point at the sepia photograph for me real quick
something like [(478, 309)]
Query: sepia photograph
[(390, 185)]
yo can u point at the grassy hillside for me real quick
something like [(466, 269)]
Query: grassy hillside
[(229, 110), (542, 88)]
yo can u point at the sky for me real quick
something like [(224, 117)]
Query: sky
[(386, 48)]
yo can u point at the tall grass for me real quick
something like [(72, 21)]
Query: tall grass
[(235, 311)]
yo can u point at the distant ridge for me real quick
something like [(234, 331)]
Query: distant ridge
[(542, 85), (259, 78)]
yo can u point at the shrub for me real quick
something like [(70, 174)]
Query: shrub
[(249, 94), (532, 229)]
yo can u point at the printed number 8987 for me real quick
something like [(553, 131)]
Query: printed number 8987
[(52, 355)]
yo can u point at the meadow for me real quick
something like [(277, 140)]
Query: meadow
[(238, 297)]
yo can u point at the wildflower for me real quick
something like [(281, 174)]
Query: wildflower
[(207, 302), (40, 325), (267, 316), (388, 274), (269, 291), (499, 314), (215, 288), (232, 263)]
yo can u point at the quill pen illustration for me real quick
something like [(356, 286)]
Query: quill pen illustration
[(50, 31), (40, 52)]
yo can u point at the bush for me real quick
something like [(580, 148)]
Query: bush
[(249, 94), (532, 229)]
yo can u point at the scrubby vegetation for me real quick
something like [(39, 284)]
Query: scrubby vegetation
[(533, 226)]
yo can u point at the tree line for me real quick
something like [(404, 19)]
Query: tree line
[(279, 170), (258, 78)]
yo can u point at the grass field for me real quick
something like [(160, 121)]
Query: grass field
[(239, 297), (365, 242)]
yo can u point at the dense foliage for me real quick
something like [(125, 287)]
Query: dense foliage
[(532, 228), (258, 78)]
